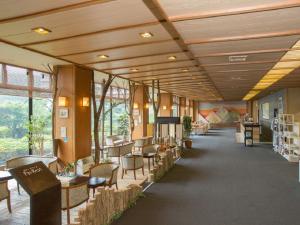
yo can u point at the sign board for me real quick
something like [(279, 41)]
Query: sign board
[(35, 177)]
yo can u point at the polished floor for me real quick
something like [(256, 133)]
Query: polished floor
[(220, 182)]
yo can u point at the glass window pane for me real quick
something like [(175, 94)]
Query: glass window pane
[(41, 80), (13, 127), (98, 89), (17, 76), (121, 93), (115, 92), (42, 126), (107, 117)]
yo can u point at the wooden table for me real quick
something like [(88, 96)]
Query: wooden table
[(5, 176), (95, 182)]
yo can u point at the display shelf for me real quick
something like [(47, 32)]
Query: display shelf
[(286, 137)]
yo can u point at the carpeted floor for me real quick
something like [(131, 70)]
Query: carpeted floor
[(220, 182)]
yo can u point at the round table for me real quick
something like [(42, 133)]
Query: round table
[(5, 176), (95, 182)]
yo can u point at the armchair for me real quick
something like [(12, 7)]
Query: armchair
[(109, 171), (132, 162), (72, 196), (5, 194)]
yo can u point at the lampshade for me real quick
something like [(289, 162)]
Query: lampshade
[(135, 105), (62, 101), (85, 102)]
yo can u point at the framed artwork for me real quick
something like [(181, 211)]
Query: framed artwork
[(266, 110), (136, 112), (63, 113)]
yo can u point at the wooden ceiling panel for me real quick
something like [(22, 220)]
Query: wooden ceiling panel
[(16, 8), (263, 66), (239, 25), (168, 65), (96, 17), (126, 52), (140, 61), (177, 9), (234, 47), (276, 56), (102, 41), (168, 76)]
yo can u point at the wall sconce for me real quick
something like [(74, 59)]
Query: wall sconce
[(135, 106), (62, 101), (85, 101), (147, 106), (164, 107)]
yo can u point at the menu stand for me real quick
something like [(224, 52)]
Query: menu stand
[(44, 190)]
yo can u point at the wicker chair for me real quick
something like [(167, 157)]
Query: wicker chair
[(132, 162), (5, 194), (109, 171), (73, 196)]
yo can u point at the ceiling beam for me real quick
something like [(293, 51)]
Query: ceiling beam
[(133, 57), (170, 78), (117, 47), (145, 64), (234, 11), (53, 10), (243, 37), (145, 71)]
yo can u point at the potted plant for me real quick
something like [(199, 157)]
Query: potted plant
[(187, 128)]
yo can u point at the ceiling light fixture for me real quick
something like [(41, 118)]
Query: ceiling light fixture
[(185, 70), (41, 30), (134, 70), (172, 57), (103, 56), (146, 35)]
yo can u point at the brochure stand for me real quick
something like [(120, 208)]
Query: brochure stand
[(44, 190)]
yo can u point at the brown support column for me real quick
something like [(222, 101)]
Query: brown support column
[(195, 110), (73, 121), (182, 106), (141, 113), (166, 105)]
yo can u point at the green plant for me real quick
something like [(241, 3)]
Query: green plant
[(123, 124), (69, 168), (187, 126), (36, 127)]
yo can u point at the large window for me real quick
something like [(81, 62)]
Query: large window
[(25, 105), (13, 127), (175, 106)]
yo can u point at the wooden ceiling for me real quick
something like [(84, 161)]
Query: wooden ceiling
[(203, 35)]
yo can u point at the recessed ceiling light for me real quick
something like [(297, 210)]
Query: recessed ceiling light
[(41, 30), (172, 57), (134, 70), (103, 56), (185, 70), (237, 58), (146, 35)]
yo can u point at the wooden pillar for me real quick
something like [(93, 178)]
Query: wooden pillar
[(141, 114), (166, 105), (73, 121), (182, 106), (195, 110)]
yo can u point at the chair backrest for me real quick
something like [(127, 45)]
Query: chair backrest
[(126, 148), (74, 195), (113, 151), (150, 149), (103, 170), (83, 165), (4, 192), (131, 162)]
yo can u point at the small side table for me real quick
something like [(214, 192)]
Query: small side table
[(95, 182), (149, 156)]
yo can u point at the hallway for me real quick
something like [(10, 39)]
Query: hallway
[(220, 182)]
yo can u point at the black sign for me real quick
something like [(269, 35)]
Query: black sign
[(35, 177)]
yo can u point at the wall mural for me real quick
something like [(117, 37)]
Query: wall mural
[(222, 112)]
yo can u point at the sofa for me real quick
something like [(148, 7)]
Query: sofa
[(83, 165), (115, 140)]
